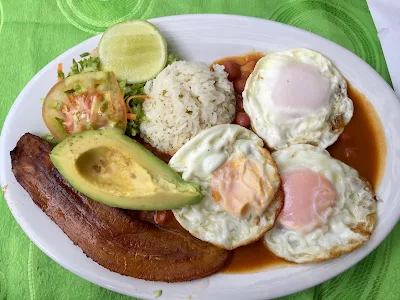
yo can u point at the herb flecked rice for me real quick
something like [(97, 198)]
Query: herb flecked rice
[(186, 97)]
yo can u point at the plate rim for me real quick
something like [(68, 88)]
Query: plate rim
[(96, 280)]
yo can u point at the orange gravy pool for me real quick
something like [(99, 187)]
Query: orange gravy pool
[(242, 60), (362, 145), (253, 257)]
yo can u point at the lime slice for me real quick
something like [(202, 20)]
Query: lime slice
[(135, 51)]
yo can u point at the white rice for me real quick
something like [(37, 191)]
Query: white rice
[(186, 97)]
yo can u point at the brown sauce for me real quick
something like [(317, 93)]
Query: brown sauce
[(361, 145), (242, 60), (253, 257)]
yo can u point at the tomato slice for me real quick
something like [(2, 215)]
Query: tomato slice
[(82, 102)]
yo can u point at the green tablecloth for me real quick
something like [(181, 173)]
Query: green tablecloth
[(33, 32)]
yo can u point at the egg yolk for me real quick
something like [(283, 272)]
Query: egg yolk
[(309, 199), (239, 187), (299, 89)]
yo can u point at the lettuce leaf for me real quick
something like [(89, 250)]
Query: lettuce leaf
[(86, 64)]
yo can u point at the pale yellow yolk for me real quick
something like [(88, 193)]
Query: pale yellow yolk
[(239, 187)]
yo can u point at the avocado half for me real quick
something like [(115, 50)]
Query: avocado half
[(111, 168)]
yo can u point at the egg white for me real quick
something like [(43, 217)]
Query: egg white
[(196, 161), (320, 127), (353, 218)]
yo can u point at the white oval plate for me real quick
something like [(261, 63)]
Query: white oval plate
[(206, 38)]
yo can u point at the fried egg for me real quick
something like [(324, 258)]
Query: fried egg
[(297, 97), (240, 183), (328, 211)]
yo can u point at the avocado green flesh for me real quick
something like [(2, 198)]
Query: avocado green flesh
[(111, 168)]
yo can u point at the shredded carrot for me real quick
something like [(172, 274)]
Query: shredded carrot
[(111, 106), (138, 96), (59, 69), (131, 116), (128, 107)]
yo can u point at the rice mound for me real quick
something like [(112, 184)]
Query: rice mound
[(186, 97)]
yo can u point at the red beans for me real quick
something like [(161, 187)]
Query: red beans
[(242, 119), (239, 84), (239, 104), (232, 69), (248, 68), (238, 72)]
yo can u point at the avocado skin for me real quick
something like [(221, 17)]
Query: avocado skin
[(167, 191)]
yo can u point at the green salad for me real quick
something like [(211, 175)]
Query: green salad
[(91, 101)]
